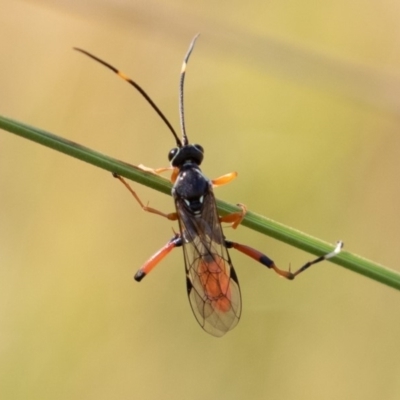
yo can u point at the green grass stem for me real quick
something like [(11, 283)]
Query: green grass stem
[(252, 220)]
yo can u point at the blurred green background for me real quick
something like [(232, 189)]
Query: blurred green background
[(301, 98)]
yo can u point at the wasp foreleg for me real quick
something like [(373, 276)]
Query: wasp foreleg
[(263, 259), (176, 241), (158, 171), (224, 179)]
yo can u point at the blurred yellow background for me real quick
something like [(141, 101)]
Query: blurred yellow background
[(301, 98)]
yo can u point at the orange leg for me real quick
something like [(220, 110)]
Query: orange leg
[(235, 218), (224, 179), (263, 259), (176, 241), (170, 216), (158, 171)]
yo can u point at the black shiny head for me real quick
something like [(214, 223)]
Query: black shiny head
[(191, 153)]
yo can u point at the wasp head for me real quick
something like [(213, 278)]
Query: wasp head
[(192, 153)]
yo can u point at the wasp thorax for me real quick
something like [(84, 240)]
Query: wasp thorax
[(193, 153), (191, 188)]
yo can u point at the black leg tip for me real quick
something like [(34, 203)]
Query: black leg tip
[(115, 175), (139, 276)]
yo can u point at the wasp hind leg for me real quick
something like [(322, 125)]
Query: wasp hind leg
[(176, 241), (170, 216), (263, 259)]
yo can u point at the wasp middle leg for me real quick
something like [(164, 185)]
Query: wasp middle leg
[(235, 218), (170, 216)]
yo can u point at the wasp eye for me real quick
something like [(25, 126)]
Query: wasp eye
[(172, 153), (199, 147)]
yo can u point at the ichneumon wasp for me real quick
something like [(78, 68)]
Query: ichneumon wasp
[(212, 284)]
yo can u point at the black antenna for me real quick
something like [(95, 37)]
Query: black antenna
[(183, 72), (141, 91)]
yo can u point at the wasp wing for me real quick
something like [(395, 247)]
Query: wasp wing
[(212, 284)]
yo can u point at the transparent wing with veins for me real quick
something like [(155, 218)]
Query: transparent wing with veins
[(212, 285)]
